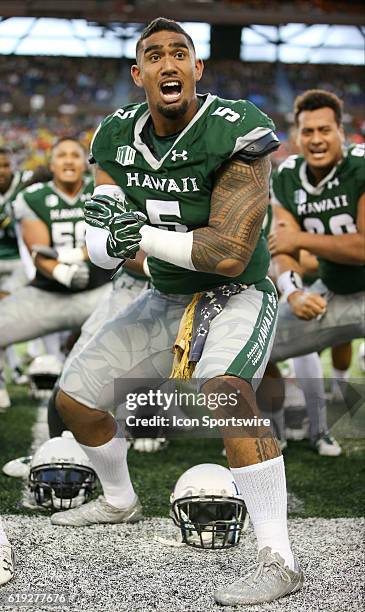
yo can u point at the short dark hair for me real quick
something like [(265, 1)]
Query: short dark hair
[(162, 24), (65, 139), (313, 99)]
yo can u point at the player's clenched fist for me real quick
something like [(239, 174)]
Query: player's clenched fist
[(101, 209), (124, 238), (307, 305)]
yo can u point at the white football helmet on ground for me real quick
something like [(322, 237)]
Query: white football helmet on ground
[(208, 508), (61, 475), (43, 373)]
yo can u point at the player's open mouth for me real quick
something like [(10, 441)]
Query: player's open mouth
[(318, 154), (69, 171), (171, 91)]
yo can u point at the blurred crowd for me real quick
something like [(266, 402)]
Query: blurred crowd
[(324, 6), (43, 98)]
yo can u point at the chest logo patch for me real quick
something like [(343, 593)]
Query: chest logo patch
[(51, 200), (300, 196), (125, 155), (175, 155), (334, 183)]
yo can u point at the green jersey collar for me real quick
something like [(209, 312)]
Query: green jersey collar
[(316, 189), (64, 196), (143, 148)]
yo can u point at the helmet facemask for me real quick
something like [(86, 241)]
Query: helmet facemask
[(209, 521), (61, 486)]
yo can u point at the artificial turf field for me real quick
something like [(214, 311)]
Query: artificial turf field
[(123, 567)]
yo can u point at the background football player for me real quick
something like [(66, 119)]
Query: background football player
[(12, 274), (320, 207), (67, 287)]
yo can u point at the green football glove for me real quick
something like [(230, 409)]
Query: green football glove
[(101, 209), (124, 237)]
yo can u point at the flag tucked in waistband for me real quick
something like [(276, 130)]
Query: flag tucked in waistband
[(194, 327)]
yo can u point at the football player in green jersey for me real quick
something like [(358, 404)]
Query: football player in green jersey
[(11, 182), (12, 273), (320, 197), (320, 207), (66, 287), (185, 178)]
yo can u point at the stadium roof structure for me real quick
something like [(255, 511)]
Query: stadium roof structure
[(233, 12), (290, 43)]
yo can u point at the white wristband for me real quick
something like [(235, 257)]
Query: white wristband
[(110, 190), (173, 247), (96, 238), (146, 269), (70, 256), (288, 282), (63, 273)]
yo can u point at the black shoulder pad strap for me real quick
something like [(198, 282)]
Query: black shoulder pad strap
[(91, 159), (259, 148)]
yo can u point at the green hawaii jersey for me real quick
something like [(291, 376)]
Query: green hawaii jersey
[(328, 208), (64, 218), (8, 241), (174, 191)]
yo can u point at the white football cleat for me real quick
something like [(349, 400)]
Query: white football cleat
[(269, 580), (96, 512), (149, 445), (4, 400), (18, 468), (6, 563), (327, 446)]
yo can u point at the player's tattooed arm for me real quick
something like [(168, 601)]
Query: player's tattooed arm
[(238, 206)]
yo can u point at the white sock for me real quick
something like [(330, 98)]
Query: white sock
[(309, 373), (3, 538), (340, 374), (52, 343), (110, 463), (12, 357), (263, 488)]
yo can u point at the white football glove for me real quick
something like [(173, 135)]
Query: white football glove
[(75, 276)]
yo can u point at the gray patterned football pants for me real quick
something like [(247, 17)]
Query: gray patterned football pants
[(344, 321), (12, 275), (136, 343), (30, 312)]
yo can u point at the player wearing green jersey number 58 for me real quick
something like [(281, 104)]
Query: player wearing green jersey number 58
[(197, 168), (320, 207), (67, 286)]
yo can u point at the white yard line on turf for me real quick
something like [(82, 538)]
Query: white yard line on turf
[(39, 435)]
